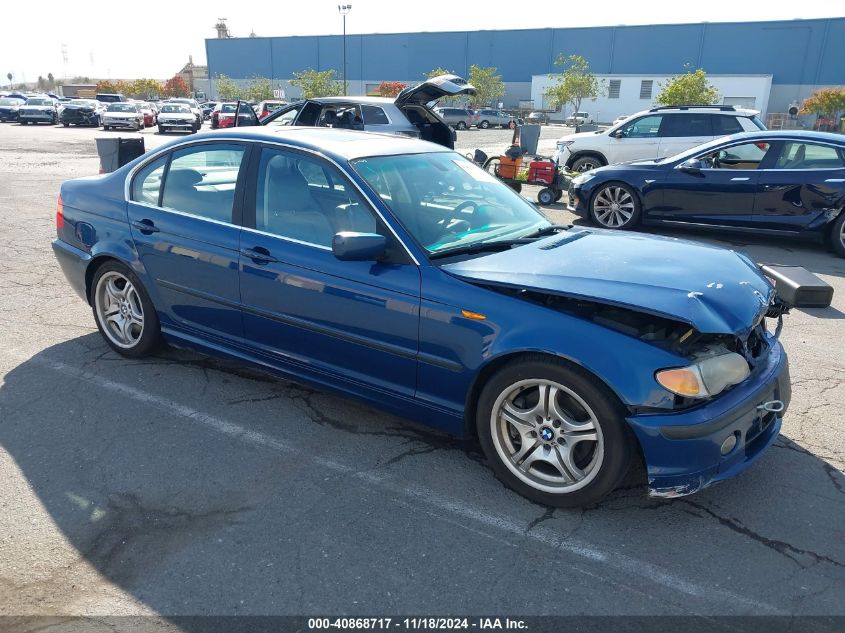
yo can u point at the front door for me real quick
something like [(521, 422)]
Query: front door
[(802, 184), (722, 192), (636, 140), (181, 217), (353, 320)]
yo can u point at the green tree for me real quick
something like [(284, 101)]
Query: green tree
[(41, 84), (316, 83), (691, 88), (573, 84), (51, 81), (438, 71), (227, 89), (9, 77), (488, 83), (109, 86), (259, 89), (145, 89)]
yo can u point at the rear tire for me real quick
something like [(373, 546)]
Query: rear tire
[(123, 311), (160, 130), (105, 128), (66, 124), (484, 125), (837, 234), (461, 125), (553, 433)]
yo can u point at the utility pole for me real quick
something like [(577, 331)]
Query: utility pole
[(344, 9)]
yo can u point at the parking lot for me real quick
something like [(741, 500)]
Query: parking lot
[(180, 485)]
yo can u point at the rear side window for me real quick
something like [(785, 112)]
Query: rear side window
[(147, 183), (682, 125), (201, 181), (373, 115), (796, 155), (724, 125)]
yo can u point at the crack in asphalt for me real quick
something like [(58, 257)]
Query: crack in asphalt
[(788, 550)]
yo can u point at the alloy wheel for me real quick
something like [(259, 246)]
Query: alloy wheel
[(547, 436), (613, 207), (119, 309)]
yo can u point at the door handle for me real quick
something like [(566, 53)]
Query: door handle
[(145, 226), (738, 179), (259, 255)]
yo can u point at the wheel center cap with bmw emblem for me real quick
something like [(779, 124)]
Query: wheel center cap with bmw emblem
[(546, 434)]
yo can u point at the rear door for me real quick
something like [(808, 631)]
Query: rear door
[(680, 132), (804, 182), (722, 192), (184, 218)]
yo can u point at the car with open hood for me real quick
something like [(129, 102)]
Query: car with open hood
[(398, 272), (82, 112), (409, 114), (39, 109)]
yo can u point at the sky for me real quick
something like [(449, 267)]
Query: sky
[(121, 43)]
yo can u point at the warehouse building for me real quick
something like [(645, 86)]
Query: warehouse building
[(783, 61)]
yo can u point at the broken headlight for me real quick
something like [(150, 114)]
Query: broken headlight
[(705, 378)]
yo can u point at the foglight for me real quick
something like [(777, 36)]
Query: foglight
[(705, 378)]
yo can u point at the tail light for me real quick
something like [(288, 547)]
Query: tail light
[(60, 214), (264, 114)]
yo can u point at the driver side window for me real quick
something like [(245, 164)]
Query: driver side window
[(644, 127), (286, 118), (744, 156)]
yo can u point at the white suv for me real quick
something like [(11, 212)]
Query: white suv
[(663, 131)]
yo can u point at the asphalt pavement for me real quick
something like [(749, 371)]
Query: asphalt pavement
[(181, 485)]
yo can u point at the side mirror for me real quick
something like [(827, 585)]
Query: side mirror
[(618, 134), (358, 247), (691, 166)]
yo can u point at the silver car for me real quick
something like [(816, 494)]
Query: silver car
[(458, 118), (492, 118), (408, 114)]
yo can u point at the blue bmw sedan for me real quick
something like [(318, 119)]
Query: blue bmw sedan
[(789, 183), (398, 272)]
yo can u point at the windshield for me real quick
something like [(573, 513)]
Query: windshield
[(83, 102), (175, 108), (446, 201), (9, 101), (38, 102), (122, 107), (228, 107)]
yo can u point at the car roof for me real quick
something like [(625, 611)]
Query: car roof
[(727, 110), (339, 144), (376, 100), (800, 135)]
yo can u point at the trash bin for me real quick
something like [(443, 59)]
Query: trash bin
[(529, 138), (115, 152)]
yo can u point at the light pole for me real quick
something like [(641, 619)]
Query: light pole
[(343, 9)]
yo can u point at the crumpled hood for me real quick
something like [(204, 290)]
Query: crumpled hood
[(717, 291)]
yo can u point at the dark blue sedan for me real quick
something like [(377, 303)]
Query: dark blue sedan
[(398, 272), (789, 183)]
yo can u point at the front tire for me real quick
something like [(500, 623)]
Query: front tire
[(125, 315), (160, 130), (484, 125), (553, 433), (586, 163), (837, 234), (461, 125), (615, 206), (105, 128)]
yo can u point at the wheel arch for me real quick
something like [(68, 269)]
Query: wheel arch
[(587, 152), (633, 188), (99, 259), (495, 364)]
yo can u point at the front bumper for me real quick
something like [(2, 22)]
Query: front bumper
[(8, 115), (37, 117), (130, 124), (682, 450), (576, 201)]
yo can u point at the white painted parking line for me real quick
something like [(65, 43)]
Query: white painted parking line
[(443, 504)]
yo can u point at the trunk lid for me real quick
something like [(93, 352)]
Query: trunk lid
[(433, 89), (715, 290)]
